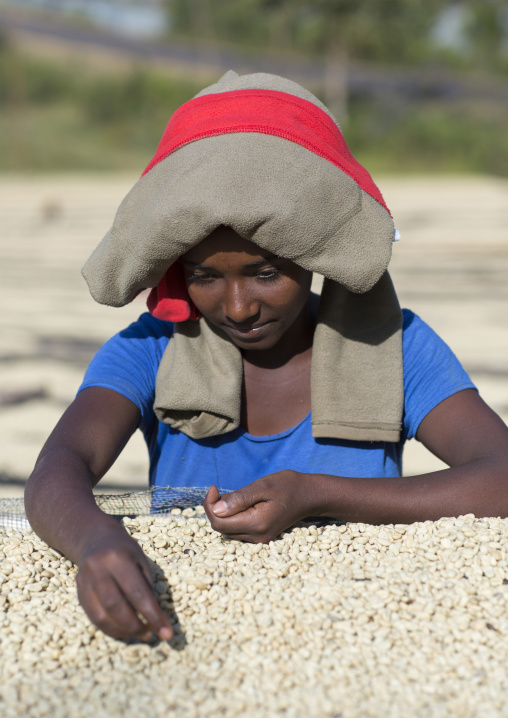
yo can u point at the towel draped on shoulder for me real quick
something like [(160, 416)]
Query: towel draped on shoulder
[(260, 154)]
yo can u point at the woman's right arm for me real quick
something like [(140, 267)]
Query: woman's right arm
[(114, 583)]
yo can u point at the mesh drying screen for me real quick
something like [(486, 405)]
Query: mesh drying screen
[(157, 500)]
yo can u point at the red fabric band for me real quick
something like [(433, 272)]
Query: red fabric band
[(268, 112), (264, 111)]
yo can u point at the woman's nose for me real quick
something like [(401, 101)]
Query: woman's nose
[(239, 306)]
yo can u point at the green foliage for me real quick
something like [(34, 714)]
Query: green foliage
[(57, 117), (140, 95), (242, 22), (428, 137), (54, 117), (396, 31), (387, 30), (23, 77), (486, 30)]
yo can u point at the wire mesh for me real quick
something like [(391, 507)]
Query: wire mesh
[(157, 500)]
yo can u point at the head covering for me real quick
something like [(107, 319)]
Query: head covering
[(262, 155)]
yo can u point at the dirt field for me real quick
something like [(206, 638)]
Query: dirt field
[(451, 267)]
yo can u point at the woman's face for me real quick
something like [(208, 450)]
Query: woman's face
[(249, 293)]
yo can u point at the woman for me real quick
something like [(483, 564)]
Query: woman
[(294, 405)]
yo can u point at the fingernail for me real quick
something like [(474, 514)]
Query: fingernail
[(220, 508), (165, 634)]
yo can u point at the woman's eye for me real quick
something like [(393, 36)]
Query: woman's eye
[(269, 274), (200, 278)]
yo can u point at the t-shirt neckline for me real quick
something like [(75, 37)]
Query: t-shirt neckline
[(273, 437)]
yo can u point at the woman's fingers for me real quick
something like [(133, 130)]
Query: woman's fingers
[(235, 502), (110, 612), (117, 596), (211, 498), (139, 592), (260, 511), (257, 523)]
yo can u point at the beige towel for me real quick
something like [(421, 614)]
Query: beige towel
[(357, 382), (298, 205), (356, 357)]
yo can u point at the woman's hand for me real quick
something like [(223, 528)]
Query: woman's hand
[(115, 587), (462, 431), (114, 582), (262, 510)]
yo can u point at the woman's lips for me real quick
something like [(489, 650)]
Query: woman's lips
[(247, 332)]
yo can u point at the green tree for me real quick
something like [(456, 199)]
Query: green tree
[(335, 30), (486, 29)]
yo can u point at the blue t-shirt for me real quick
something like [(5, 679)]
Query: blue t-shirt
[(128, 364)]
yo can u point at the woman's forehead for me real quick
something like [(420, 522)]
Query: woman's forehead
[(225, 240)]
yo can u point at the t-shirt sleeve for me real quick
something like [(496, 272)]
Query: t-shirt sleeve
[(129, 361), (432, 372)]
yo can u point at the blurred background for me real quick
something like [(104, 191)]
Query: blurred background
[(87, 87), (89, 84)]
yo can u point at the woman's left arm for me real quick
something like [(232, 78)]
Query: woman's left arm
[(462, 431)]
